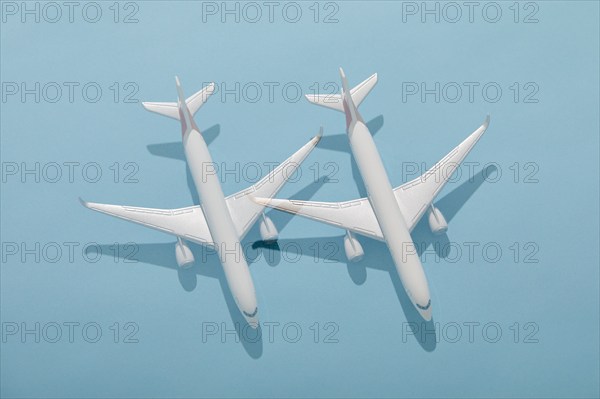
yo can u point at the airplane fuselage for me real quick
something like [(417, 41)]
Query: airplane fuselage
[(388, 214), (218, 218)]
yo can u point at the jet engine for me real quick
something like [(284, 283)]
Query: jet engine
[(353, 249), (183, 254), (268, 231), (437, 222)]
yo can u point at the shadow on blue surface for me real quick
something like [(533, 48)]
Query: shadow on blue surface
[(174, 150), (208, 265), (339, 142), (377, 255), (328, 249)]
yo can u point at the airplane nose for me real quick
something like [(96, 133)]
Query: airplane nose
[(424, 311), (251, 317), (425, 314), (253, 322)]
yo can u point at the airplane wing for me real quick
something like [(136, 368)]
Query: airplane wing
[(356, 215), (244, 210), (413, 197), (188, 223), (416, 196)]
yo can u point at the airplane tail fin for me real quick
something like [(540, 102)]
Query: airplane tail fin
[(335, 101), (193, 103)]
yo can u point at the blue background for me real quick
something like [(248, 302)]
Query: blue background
[(375, 353)]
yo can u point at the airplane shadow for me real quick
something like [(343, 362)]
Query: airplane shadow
[(207, 264), (377, 256), (339, 142), (329, 249), (174, 150)]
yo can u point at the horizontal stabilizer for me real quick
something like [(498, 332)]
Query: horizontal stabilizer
[(334, 101), (360, 92), (194, 102)]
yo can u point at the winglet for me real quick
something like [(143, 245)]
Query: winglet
[(319, 135), (84, 203), (344, 79), (486, 123), (179, 90)]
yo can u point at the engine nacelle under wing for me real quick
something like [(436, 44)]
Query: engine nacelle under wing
[(437, 222), (354, 251), (183, 254), (268, 231)]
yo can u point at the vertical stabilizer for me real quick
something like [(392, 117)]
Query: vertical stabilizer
[(180, 96)]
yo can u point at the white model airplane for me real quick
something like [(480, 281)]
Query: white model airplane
[(386, 214), (219, 222)]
